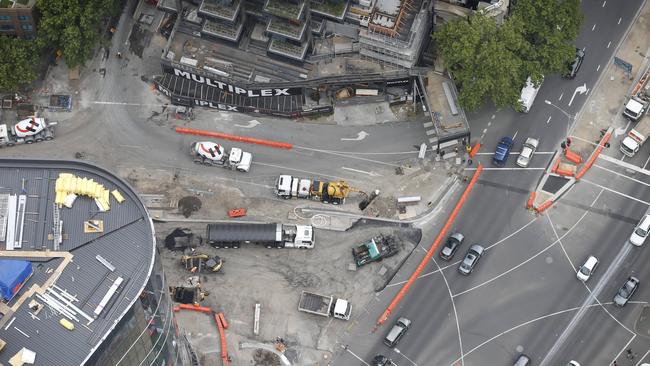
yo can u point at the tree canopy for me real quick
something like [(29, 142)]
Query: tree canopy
[(17, 65), (492, 61), (72, 26)]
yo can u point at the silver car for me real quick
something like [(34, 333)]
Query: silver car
[(626, 291), (529, 148), (471, 258)]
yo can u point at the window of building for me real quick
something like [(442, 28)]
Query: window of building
[(5, 17), (27, 27), (23, 17), (7, 27)]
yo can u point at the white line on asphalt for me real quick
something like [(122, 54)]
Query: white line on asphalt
[(604, 2), (535, 255), (513, 233), (624, 164), (453, 306), (646, 163), (621, 175), (609, 44), (489, 123), (493, 116), (641, 359), (484, 131), (625, 347), (559, 241), (594, 27), (348, 156), (619, 20), (598, 68), (355, 355), (548, 120), (372, 174), (507, 169), (614, 191), (561, 95), (125, 103), (519, 152), (299, 170), (585, 140)]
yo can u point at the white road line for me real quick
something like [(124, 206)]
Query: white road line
[(646, 163), (625, 347), (559, 241), (348, 156), (604, 2), (489, 123), (585, 140), (619, 20), (535, 255), (641, 359), (507, 169), (519, 152), (493, 116), (561, 95), (548, 120), (598, 68), (594, 27), (453, 306), (299, 170), (128, 104), (621, 175), (614, 191), (484, 131), (355, 355), (372, 174), (609, 44), (624, 164)]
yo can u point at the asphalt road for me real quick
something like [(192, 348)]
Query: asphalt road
[(523, 293)]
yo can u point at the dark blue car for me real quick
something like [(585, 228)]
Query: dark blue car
[(503, 150)]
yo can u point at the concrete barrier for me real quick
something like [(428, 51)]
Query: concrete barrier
[(226, 136)]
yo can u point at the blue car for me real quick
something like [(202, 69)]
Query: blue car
[(503, 150)]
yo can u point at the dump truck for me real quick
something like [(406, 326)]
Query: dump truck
[(213, 154), (375, 249), (334, 192), (324, 305), (200, 262), (26, 131), (270, 235), (636, 137), (637, 104)]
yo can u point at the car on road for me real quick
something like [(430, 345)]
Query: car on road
[(503, 150), (574, 66), (529, 148), (640, 232), (474, 253), (626, 291), (397, 332), (451, 246), (381, 360), (587, 269), (522, 360), (573, 363)]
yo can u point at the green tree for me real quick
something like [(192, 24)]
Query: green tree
[(72, 26), (17, 63), (483, 60)]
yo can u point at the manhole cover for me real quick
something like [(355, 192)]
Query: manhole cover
[(189, 205)]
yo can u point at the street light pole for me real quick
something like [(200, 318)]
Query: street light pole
[(569, 117)]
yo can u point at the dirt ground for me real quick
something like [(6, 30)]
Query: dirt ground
[(274, 279)]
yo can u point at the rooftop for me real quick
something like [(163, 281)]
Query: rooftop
[(17, 3), (91, 267)]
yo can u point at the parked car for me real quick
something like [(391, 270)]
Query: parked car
[(573, 363), (471, 258), (451, 246), (397, 332), (503, 150), (529, 148), (640, 232), (626, 291), (587, 269), (574, 66), (381, 360), (522, 360)]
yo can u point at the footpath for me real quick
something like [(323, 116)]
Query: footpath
[(595, 124)]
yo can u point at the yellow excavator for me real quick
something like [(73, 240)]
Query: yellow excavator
[(334, 192), (198, 262)]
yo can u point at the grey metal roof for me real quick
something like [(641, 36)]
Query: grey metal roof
[(127, 242), (238, 232)]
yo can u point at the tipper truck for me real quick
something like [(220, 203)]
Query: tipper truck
[(324, 305), (375, 249), (639, 100), (213, 154), (334, 192), (27, 131), (636, 137), (233, 235)]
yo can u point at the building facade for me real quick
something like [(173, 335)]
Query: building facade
[(17, 18)]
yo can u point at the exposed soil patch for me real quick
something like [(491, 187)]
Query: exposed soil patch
[(188, 205)]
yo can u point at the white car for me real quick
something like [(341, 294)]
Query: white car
[(573, 363), (527, 152), (641, 231), (587, 269)]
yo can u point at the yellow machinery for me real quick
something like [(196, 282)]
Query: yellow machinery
[(202, 263), (333, 192)]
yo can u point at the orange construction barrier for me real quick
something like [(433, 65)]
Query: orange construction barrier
[(564, 172), (200, 309), (593, 157), (402, 292), (222, 319), (226, 136), (222, 335), (475, 149), (555, 165), (531, 200), (544, 206), (572, 157)]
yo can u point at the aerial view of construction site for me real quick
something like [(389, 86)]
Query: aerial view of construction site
[(324, 182)]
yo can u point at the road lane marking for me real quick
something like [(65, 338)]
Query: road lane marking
[(614, 191), (507, 169), (493, 116), (598, 68), (594, 27), (519, 152), (604, 2), (548, 120), (484, 131), (619, 20), (561, 95), (355, 355), (646, 163), (621, 175), (624, 164), (489, 123), (372, 174), (300, 170), (609, 44), (348, 156), (453, 306)]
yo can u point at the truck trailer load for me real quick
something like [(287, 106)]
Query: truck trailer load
[(375, 249), (334, 192), (324, 305), (637, 104), (213, 154), (233, 235), (27, 131)]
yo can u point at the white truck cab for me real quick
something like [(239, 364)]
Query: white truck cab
[(342, 309), (240, 159), (528, 94)]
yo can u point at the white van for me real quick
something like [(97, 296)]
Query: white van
[(528, 94), (640, 232)]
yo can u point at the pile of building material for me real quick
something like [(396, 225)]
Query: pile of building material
[(69, 186)]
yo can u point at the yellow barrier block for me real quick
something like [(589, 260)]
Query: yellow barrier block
[(118, 196)]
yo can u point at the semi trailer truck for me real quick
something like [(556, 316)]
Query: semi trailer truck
[(236, 234)]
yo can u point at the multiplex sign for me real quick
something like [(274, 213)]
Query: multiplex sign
[(251, 93), (199, 102)]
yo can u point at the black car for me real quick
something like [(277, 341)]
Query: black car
[(574, 66), (381, 360), (451, 246)]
